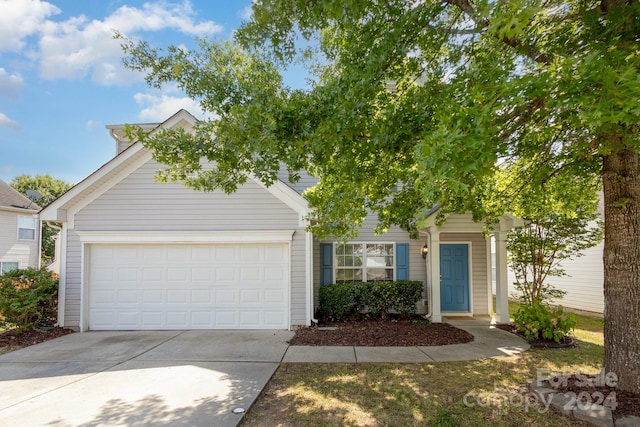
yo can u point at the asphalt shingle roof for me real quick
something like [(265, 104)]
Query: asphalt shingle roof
[(10, 198)]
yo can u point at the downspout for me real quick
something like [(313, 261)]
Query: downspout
[(39, 240)]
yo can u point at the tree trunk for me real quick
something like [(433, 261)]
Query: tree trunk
[(621, 184)]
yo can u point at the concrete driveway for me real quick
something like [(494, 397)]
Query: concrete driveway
[(172, 378)]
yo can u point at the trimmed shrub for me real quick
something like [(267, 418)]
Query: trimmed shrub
[(28, 298), (538, 321), (341, 301)]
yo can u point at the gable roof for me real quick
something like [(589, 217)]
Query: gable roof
[(130, 159), (13, 200)]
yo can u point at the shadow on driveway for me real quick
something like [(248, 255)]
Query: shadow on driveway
[(138, 378)]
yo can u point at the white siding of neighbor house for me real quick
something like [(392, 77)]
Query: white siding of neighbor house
[(584, 282), (25, 252), (140, 203), (479, 271), (393, 235)]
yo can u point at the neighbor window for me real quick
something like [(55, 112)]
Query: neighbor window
[(364, 262), (26, 228), (6, 266)]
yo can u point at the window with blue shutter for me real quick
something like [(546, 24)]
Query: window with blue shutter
[(402, 261), (326, 264)]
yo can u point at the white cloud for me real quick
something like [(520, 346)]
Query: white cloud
[(6, 122), (93, 123), (246, 13), (10, 84), (158, 108), (20, 19), (78, 46)]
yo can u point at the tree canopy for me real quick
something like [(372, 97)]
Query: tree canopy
[(416, 103)]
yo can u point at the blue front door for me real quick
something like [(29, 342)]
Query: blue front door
[(454, 277)]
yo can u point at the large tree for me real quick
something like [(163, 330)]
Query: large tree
[(50, 188), (419, 102)]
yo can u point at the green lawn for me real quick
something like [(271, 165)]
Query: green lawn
[(480, 393)]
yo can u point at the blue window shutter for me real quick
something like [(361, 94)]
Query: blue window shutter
[(402, 261), (326, 264)]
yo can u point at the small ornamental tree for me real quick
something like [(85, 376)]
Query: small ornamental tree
[(538, 249)]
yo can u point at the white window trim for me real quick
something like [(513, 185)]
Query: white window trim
[(364, 268), (35, 227), (7, 262)]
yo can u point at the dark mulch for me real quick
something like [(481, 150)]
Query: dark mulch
[(593, 389), (620, 402), (30, 337), (391, 332)]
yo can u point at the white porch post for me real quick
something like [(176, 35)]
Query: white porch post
[(502, 289), (434, 257)]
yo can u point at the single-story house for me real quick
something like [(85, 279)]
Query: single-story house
[(139, 254), (19, 230)]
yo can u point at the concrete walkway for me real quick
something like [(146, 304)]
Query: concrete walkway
[(195, 378), (489, 341)]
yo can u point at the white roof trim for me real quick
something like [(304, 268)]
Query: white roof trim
[(506, 223), (286, 195), (23, 211), (191, 237), (55, 211)]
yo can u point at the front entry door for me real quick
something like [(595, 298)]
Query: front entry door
[(454, 277)]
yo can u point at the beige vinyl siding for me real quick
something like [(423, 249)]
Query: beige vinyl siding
[(305, 181), (139, 203), (417, 266), (479, 272), (73, 281), (25, 252)]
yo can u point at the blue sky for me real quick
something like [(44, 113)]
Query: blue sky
[(61, 78)]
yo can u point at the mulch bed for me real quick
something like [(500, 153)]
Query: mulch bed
[(381, 332), (624, 403), (33, 336), (587, 389)]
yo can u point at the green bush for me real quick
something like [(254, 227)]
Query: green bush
[(28, 298), (538, 321), (340, 301), (343, 301)]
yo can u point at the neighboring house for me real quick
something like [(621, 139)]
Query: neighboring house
[(139, 254), (19, 230)]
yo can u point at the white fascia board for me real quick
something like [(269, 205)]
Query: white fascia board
[(53, 211), (195, 237), (22, 211), (287, 195), (50, 213), (116, 178)]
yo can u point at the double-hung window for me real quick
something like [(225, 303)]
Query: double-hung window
[(26, 228), (364, 262), (6, 266)]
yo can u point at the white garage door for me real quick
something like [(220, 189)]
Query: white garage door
[(175, 286)]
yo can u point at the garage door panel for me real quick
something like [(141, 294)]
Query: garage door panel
[(201, 296), (126, 296), (188, 286)]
